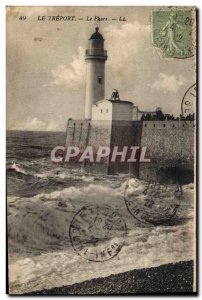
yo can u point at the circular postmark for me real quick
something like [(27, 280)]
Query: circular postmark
[(152, 203), (188, 104), (97, 233)]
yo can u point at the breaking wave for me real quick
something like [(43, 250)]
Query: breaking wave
[(39, 243), (17, 168)]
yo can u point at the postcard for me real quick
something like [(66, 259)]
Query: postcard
[(101, 150)]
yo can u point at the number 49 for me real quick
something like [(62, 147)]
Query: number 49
[(22, 18)]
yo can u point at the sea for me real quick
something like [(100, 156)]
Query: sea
[(43, 198)]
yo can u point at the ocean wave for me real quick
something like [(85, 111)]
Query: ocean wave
[(143, 249), (62, 204), (49, 173), (17, 168), (38, 233)]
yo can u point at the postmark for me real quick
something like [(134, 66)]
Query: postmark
[(153, 203), (188, 104), (97, 233), (172, 32)]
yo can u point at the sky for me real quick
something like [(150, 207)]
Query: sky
[(46, 68)]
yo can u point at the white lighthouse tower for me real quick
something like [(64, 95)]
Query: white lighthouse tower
[(95, 75)]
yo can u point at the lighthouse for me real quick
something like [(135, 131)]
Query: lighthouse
[(95, 74)]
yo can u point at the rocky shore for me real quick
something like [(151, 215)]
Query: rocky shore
[(165, 279)]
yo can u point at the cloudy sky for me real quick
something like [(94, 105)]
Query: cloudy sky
[(46, 66)]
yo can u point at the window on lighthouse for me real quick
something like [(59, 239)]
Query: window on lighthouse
[(99, 80)]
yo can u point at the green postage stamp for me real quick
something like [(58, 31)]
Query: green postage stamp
[(172, 32)]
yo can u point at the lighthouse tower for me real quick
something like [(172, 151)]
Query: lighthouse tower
[(95, 75)]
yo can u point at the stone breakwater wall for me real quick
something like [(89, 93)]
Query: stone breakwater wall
[(170, 145)]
